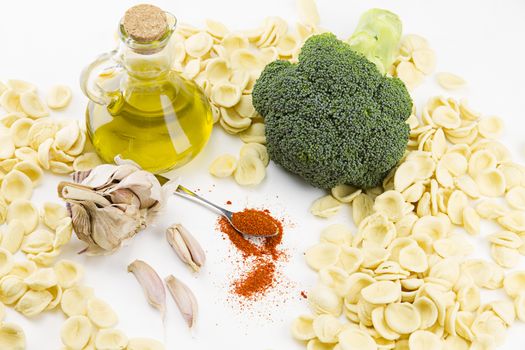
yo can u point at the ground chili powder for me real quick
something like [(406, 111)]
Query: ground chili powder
[(255, 222), (260, 256)]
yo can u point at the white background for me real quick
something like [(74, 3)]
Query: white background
[(49, 42)]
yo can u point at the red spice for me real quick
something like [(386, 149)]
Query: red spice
[(304, 295), (254, 222), (260, 257), (228, 202)]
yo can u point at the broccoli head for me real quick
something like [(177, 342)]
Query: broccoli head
[(333, 118)]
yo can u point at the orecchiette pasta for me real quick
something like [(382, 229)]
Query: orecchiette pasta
[(223, 166)]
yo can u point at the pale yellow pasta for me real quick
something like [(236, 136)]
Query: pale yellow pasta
[(12, 337), (33, 302), (327, 328), (491, 127), (481, 160), (32, 105), (431, 226), (519, 304), (42, 279), (356, 339), (391, 204), (302, 328), (413, 258), (63, 232), (504, 256), (323, 300), (6, 262), (101, 313), (76, 332), (19, 131), (375, 230), (362, 206), (513, 221), (86, 161), (516, 197), (23, 269), (255, 149), (446, 117), (514, 175), (424, 59), (53, 213), (382, 292), (254, 134), (424, 340), (223, 166), (7, 146), (10, 101), (409, 74), (380, 325), (325, 207), (322, 255), (466, 184), (16, 186), (405, 175), (350, 259), (74, 300), (402, 318), (457, 203), (491, 182), (450, 81), (25, 211), (38, 241), (506, 239), (110, 339), (20, 86), (12, 288), (216, 29), (490, 209), (514, 283), (59, 97), (144, 344), (250, 171), (198, 44), (12, 237), (68, 273), (471, 220)]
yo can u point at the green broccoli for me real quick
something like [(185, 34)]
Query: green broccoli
[(333, 118)]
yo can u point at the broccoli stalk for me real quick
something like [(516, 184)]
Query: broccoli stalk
[(333, 118), (377, 36)]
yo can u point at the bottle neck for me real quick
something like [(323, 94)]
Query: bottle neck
[(146, 65)]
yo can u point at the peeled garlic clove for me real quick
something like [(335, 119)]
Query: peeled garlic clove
[(111, 339), (186, 246), (32, 105), (86, 161), (33, 302), (7, 146), (74, 300), (53, 213), (25, 211), (75, 332), (151, 284), (59, 97), (101, 313), (144, 344), (184, 298), (31, 169), (20, 131), (13, 236), (68, 273), (12, 337), (16, 185)]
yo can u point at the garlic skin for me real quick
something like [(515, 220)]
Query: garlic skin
[(186, 246), (112, 203)]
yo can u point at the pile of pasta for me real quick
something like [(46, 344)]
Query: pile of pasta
[(32, 141), (405, 280), (225, 65)]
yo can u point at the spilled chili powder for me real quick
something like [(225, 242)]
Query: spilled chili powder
[(260, 256)]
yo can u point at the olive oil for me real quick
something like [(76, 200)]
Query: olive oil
[(159, 123)]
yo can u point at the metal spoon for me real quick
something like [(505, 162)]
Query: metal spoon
[(186, 193)]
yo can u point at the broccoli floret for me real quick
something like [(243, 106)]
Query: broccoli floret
[(333, 118)]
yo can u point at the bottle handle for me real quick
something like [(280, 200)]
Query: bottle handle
[(90, 88)]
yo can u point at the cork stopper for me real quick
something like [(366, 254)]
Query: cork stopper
[(145, 23)]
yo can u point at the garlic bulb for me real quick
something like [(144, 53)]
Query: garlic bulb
[(111, 203)]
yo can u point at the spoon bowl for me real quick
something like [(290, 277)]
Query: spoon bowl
[(184, 192)]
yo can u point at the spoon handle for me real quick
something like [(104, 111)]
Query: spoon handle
[(186, 193)]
